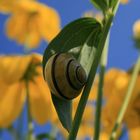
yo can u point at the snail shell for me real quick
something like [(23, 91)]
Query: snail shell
[(65, 76)]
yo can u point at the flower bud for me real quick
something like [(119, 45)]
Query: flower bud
[(136, 30), (136, 33), (124, 1)]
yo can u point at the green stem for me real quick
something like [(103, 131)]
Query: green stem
[(99, 103), (116, 7), (85, 94), (1, 133), (100, 89), (30, 135), (127, 99)]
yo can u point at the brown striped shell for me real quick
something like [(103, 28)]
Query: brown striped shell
[(65, 76)]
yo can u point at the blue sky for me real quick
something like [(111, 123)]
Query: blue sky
[(122, 53)]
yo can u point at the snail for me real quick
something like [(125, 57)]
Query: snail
[(64, 76)]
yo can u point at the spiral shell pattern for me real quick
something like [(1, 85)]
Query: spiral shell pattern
[(65, 76)]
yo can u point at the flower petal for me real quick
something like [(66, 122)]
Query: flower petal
[(33, 40), (13, 68), (134, 134), (49, 27), (6, 5), (16, 27), (12, 98), (31, 21), (117, 88), (42, 109), (114, 99)]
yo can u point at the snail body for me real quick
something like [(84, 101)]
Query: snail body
[(65, 76)]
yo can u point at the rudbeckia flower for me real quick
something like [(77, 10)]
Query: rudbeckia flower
[(115, 86), (31, 21), (15, 73)]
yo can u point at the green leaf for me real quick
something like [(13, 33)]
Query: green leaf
[(80, 38), (73, 37), (63, 109), (88, 50), (101, 4)]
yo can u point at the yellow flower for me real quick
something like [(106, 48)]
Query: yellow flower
[(6, 5), (136, 30), (124, 1), (15, 73), (31, 21), (115, 86), (134, 134)]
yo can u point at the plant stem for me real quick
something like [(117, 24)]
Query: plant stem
[(85, 94), (99, 103), (1, 133), (116, 7), (127, 99), (100, 89), (30, 124)]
